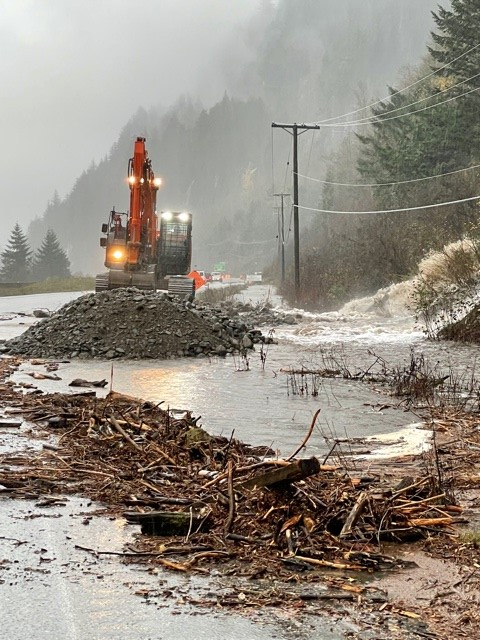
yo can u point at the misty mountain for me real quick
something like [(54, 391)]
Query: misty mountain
[(297, 61)]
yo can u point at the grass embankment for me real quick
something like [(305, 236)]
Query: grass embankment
[(51, 285)]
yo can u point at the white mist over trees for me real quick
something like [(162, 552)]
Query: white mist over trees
[(297, 61)]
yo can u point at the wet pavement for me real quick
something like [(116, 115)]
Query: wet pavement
[(51, 588)]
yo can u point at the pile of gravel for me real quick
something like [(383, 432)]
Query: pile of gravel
[(130, 323)]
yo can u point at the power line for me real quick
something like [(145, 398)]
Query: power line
[(435, 71), (238, 242), (286, 168), (411, 104), (426, 206), (378, 119), (385, 184)]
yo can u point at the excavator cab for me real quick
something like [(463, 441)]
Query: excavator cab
[(115, 241)]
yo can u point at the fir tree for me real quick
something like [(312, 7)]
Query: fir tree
[(16, 258), (439, 139), (458, 34), (50, 259)]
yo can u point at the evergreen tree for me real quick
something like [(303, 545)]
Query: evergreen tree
[(458, 34), (410, 140), (16, 258), (439, 139), (50, 259)]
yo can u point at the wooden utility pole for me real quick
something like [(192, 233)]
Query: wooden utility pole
[(281, 234), (296, 130)]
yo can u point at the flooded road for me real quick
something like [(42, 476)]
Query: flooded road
[(50, 588), (259, 404)]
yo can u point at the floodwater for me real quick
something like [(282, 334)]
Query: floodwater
[(258, 402), (50, 589)]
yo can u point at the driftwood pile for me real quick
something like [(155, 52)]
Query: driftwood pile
[(211, 497)]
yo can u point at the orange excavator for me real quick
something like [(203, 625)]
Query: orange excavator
[(142, 249)]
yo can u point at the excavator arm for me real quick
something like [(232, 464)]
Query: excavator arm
[(143, 219)]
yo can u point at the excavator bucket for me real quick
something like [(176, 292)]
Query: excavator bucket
[(181, 286)]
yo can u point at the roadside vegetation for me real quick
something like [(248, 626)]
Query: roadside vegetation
[(51, 285), (212, 295), (446, 286)]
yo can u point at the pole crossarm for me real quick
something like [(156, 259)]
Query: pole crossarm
[(306, 127), (296, 130)]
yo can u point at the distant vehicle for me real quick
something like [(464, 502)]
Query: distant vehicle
[(217, 276), (254, 277)]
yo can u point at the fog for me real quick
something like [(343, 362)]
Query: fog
[(73, 72), (202, 80)]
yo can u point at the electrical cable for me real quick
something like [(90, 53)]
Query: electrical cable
[(411, 104), (378, 119), (289, 225), (238, 242), (426, 206), (386, 184), (435, 71)]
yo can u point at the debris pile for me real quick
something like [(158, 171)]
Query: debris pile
[(130, 323), (215, 498)]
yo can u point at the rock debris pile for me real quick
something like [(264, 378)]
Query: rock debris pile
[(130, 323)]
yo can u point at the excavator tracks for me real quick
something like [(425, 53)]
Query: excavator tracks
[(101, 282), (118, 279)]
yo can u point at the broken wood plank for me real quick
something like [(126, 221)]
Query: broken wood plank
[(354, 515), (11, 424), (290, 473), (122, 432), (169, 523)]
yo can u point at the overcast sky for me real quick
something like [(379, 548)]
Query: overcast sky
[(74, 71)]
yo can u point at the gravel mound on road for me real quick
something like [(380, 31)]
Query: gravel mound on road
[(130, 323)]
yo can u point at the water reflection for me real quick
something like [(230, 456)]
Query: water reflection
[(256, 404)]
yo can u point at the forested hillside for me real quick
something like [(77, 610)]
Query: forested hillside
[(302, 61), (420, 148)]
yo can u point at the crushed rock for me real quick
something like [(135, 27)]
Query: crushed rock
[(131, 323)]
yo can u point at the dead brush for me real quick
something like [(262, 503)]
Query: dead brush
[(420, 383), (417, 382), (447, 280), (220, 294)]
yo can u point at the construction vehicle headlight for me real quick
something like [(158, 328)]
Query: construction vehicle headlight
[(167, 215), (117, 254), (157, 182), (131, 179), (184, 217)]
